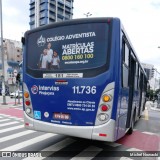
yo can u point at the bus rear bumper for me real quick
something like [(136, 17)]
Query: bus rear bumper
[(103, 132), (75, 131)]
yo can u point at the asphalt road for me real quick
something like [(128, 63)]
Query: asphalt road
[(14, 137)]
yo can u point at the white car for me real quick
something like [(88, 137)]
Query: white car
[(15, 94)]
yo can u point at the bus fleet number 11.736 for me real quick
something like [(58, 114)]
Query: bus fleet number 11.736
[(84, 89)]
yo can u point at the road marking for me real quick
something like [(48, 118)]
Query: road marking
[(3, 120), (29, 142), (16, 135), (88, 154), (133, 149), (19, 108), (1, 117), (15, 118), (11, 128), (112, 144), (7, 124), (146, 117), (8, 116), (150, 133), (54, 148), (125, 158)]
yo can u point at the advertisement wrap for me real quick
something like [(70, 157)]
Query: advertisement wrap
[(68, 48)]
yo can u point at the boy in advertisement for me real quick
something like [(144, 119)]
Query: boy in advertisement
[(55, 61), (50, 54)]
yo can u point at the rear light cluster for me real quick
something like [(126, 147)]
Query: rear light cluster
[(27, 102), (105, 106), (103, 116)]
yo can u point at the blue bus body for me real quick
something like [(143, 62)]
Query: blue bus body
[(69, 99)]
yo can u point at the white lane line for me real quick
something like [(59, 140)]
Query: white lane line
[(88, 154), (53, 148), (29, 142), (16, 118), (1, 117), (150, 133), (7, 124), (16, 135), (125, 158), (8, 116), (11, 128), (4, 115), (133, 149), (3, 120), (19, 109), (112, 144)]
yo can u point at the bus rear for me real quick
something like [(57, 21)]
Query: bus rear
[(68, 80)]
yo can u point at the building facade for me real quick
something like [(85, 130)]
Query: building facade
[(149, 69), (48, 11), (12, 51), (153, 76)]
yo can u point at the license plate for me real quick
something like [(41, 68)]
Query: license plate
[(61, 116)]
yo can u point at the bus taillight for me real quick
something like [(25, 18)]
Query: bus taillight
[(106, 98), (103, 117), (104, 108), (26, 95), (28, 110), (27, 103)]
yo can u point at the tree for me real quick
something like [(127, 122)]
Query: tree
[(150, 94)]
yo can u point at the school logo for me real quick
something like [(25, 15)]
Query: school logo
[(41, 41), (34, 89)]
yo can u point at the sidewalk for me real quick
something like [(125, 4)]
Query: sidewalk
[(152, 105), (10, 103)]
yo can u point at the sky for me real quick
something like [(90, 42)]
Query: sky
[(141, 19)]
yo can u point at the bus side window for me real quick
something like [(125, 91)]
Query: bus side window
[(125, 67), (136, 77)]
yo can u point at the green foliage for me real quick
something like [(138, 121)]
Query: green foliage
[(152, 95), (157, 91)]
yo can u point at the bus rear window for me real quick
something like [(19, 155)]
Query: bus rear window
[(68, 48)]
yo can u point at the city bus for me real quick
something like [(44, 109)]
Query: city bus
[(82, 78)]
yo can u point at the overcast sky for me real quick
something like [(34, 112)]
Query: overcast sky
[(141, 19)]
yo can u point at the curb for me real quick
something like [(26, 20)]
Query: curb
[(10, 106), (155, 109)]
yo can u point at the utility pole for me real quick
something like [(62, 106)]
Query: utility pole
[(2, 54)]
